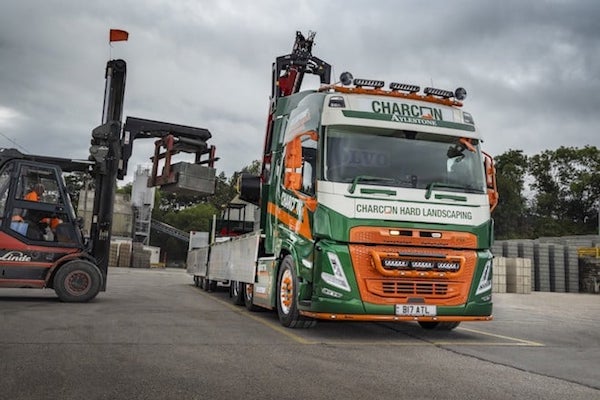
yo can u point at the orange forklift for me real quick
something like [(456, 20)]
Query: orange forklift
[(41, 240)]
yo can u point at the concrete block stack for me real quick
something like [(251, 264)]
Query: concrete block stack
[(518, 275), (541, 266), (497, 249), (124, 255), (511, 249), (525, 250), (555, 260), (571, 269), (557, 268), (140, 258), (499, 275), (589, 270), (113, 255)]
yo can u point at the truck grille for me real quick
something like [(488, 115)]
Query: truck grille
[(394, 288), (390, 280)]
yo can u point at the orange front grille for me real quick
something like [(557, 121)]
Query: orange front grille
[(442, 288)]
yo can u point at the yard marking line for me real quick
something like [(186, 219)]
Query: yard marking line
[(299, 339), (514, 339), (280, 329)]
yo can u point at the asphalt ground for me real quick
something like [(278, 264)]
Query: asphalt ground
[(153, 335)]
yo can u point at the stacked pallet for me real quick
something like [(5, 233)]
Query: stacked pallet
[(124, 255), (140, 258), (113, 255), (499, 275), (589, 270), (518, 275)]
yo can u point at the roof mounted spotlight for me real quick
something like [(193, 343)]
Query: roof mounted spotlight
[(460, 94), (346, 78), (404, 87), (369, 82), (438, 92)]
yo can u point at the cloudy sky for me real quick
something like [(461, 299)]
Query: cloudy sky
[(531, 68)]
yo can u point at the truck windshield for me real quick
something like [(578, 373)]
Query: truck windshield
[(403, 158)]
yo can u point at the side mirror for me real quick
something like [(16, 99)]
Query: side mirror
[(490, 180), (293, 161), (293, 168)]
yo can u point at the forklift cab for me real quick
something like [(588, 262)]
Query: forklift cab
[(35, 207)]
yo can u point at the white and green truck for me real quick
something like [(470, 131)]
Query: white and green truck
[(375, 205)]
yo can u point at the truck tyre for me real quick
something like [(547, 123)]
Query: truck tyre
[(248, 290), (77, 281), (236, 292), (287, 297), (439, 326)]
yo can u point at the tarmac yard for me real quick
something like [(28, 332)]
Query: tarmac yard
[(154, 335)]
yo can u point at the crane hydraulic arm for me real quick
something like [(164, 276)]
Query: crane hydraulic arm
[(288, 73)]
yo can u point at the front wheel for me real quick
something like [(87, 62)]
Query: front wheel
[(77, 281), (287, 299), (439, 326)]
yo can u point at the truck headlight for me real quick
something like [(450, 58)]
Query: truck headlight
[(338, 278)]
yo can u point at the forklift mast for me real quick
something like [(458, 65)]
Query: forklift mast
[(105, 151)]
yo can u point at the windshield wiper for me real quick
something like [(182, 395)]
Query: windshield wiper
[(441, 185), (367, 178)]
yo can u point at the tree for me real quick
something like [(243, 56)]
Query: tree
[(566, 182), (511, 215)]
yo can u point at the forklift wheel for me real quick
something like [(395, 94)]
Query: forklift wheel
[(77, 281)]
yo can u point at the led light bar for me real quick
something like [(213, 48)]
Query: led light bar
[(405, 87), (439, 92), (423, 264), (448, 266), (369, 82), (395, 263)]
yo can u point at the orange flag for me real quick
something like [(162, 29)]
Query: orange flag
[(117, 35)]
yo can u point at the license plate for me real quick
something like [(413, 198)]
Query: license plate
[(416, 310)]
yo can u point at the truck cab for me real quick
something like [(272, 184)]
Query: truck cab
[(380, 200)]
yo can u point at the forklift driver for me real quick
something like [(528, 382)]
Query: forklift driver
[(35, 193)]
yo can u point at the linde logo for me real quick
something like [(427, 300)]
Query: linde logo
[(15, 256)]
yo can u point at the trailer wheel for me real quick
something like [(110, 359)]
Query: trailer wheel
[(236, 292), (77, 281), (248, 291), (439, 326), (204, 283), (287, 297)]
